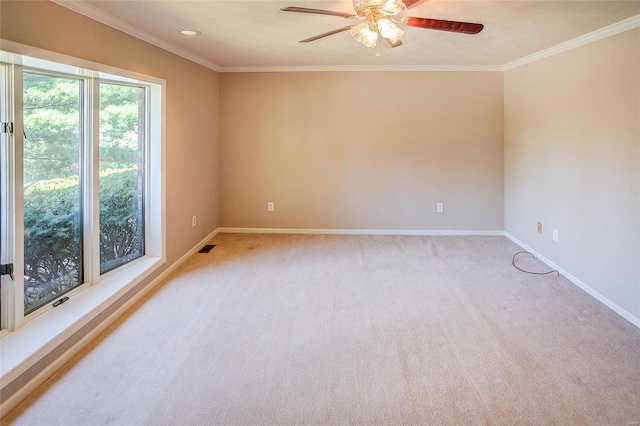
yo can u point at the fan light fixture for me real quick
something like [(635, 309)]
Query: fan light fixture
[(377, 20)]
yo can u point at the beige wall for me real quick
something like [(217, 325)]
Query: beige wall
[(572, 162), (191, 125), (362, 150), (191, 99)]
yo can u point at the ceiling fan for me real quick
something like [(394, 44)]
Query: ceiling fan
[(380, 19)]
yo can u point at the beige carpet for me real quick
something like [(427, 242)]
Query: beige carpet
[(360, 330)]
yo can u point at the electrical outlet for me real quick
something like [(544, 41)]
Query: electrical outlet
[(270, 206), (193, 221), (539, 228), (555, 235), (440, 207)]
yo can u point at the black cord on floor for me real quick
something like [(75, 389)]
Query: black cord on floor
[(513, 262)]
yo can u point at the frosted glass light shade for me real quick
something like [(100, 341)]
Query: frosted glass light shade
[(389, 30), (365, 35), (393, 7)]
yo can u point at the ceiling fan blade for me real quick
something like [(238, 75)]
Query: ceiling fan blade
[(318, 12), (413, 3), (330, 33), (391, 44), (442, 25)]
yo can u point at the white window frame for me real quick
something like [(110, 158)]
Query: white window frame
[(26, 340), (7, 176), (87, 176)]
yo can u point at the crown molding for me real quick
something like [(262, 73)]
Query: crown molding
[(101, 16), (362, 68), (602, 33), (84, 8)]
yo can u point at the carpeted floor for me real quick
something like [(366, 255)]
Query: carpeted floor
[(360, 330)]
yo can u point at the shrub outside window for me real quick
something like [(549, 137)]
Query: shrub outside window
[(122, 145)]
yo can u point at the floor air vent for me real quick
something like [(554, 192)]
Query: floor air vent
[(207, 248)]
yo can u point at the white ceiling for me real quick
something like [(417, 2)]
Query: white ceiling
[(241, 35)]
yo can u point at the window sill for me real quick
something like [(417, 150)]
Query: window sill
[(23, 348)]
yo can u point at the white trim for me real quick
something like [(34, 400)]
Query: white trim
[(367, 68), (17, 284), (34, 57), (7, 177), (232, 230), (602, 33), (103, 17), (595, 294), (92, 176), (50, 369)]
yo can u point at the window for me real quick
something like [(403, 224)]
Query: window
[(122, 136), (81, 188), (52, 192)]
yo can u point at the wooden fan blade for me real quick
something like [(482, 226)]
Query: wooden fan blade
[(318, 12), (413, 3), (391, 44), (314, 38), (441, 25)]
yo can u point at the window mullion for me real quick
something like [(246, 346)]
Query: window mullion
[(91, 176)]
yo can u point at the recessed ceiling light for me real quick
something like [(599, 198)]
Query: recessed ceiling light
[(190, 32)]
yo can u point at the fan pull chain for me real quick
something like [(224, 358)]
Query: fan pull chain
[(377, 49)]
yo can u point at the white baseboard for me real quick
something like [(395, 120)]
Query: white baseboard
[(607, 302), (23, 392), (232, 230)]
